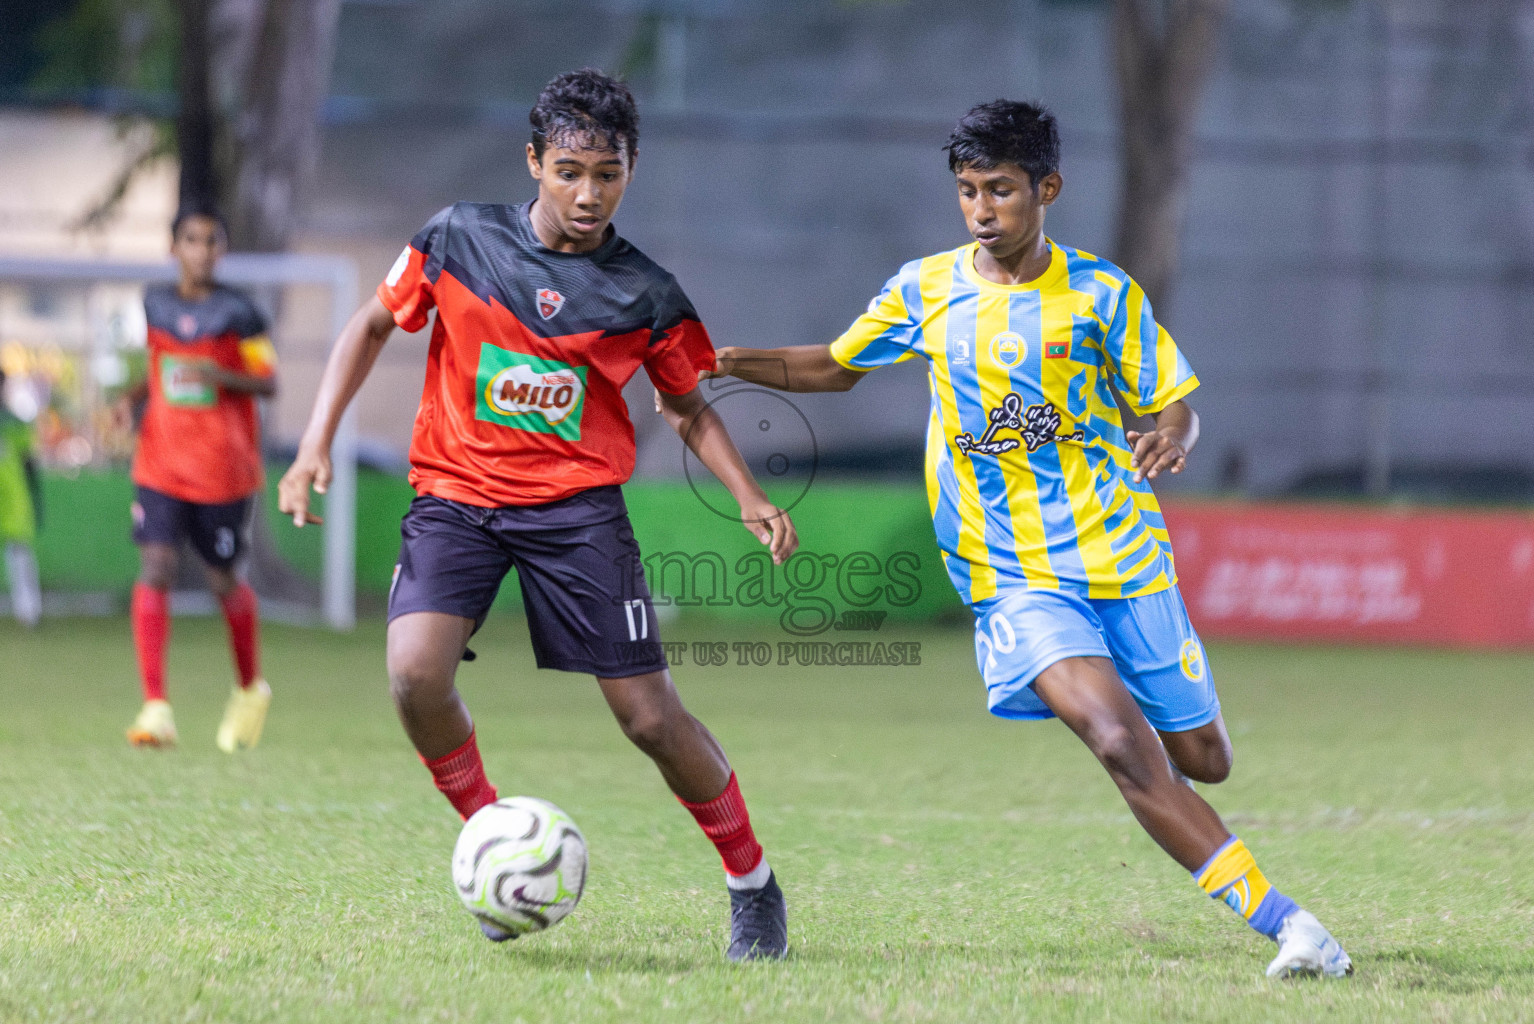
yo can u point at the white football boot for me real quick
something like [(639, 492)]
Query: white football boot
[(1306, 947)]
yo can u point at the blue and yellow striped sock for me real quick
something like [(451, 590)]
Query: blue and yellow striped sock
[(1232, 876)]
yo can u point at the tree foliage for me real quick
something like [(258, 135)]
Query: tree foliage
[(249, 77), (116, 44)]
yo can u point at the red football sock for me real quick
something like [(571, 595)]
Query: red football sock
[(150, 613), (244, 632), (728, 826), (461, 778)]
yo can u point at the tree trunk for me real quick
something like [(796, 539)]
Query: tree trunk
[(1163, 51), (273, 74), (194, 117), (276, 58)]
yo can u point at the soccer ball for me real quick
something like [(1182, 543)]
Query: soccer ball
[(520, 864)]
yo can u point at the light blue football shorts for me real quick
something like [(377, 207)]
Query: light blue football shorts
[(1019, 633)]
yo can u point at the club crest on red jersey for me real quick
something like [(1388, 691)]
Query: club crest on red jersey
[(549, 302)]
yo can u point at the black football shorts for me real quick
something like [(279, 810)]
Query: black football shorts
[(219, 533), (583, 587)]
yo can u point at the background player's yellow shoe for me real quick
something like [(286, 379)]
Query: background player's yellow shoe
[(244, 717), (154, 726)]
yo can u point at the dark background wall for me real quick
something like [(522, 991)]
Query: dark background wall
[(1357, 269)]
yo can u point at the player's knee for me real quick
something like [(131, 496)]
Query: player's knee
[(646, 728), (1213, 766), (1121, 754), (157, 580), (158, 573), (221, 582), (412, 680)]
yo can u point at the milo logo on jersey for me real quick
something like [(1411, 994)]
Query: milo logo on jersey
[(181, 383), (1037, 426), (527, 393)]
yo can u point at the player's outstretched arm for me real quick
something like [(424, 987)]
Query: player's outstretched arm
[(350, 361), (1166, 447), (800, 368), (696, 422), (261, 385)]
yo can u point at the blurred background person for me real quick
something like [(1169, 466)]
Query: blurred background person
[(21, 506), (197, 467)]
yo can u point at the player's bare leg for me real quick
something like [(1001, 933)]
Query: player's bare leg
[(693, 764), (26, 589), (1089, 697), (424, 649), (221, 581), (1203, 754), (157, 565), (155, 726), (651, 715)]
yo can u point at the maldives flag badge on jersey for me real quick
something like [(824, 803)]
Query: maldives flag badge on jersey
[(1057, 349), (549, 302)]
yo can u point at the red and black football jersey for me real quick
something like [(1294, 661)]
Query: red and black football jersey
[(523, 402), (200, 442)]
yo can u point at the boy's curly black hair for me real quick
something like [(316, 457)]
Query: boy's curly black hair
[(1006, 132), (585, 109)]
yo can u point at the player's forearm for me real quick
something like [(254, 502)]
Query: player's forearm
[(263, 385), (1179, 423), (350, 362), (704, 432), (797, 368)]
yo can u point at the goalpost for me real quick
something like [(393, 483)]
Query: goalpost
[(96, 343)]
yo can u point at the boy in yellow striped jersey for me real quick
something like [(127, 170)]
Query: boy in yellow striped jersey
[(1041, 500)]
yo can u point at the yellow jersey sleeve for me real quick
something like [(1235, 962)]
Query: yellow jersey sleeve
[(259, 355), (1146, 364), (887, 334)]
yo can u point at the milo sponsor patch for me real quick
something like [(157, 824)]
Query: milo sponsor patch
[(180, 384), (528, 393)]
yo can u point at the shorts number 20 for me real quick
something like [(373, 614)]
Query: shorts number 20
[(1002, 638)]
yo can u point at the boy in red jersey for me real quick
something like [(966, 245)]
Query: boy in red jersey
[(520, 444), (198, 464)]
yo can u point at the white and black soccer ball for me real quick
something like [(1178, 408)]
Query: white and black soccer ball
[(520, 864)]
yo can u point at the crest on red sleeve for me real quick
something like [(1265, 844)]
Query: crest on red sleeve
[(549, 302)]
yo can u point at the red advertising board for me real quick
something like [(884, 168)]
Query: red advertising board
[(1323, 572)]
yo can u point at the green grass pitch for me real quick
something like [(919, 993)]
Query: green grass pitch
[(940, 865)]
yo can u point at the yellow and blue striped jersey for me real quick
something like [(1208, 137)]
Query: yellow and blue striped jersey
[(1028, 472)]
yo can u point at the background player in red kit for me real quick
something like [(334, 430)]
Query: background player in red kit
[(520, 444), (197, 465)]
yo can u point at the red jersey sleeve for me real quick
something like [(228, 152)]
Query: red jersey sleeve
[(407, 291), (679, 345)]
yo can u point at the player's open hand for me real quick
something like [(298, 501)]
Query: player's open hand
[(1155, 452), (772, 526), (310, 469), (121, 413)]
